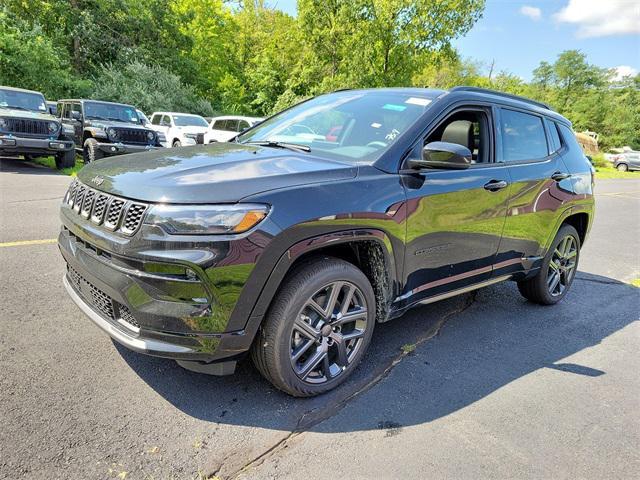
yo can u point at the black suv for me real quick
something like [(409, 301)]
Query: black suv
[(340, 212), (28, 128), (104, 128)]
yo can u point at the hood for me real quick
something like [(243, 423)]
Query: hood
[(8, 112), (214, 173), (114, 123)]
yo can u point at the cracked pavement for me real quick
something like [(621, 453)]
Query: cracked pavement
[(495, 387)]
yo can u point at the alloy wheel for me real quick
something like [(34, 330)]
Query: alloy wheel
[(562, 266), (328, 332)]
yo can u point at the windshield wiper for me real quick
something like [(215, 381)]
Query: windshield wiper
[(95, 117), (20, 108), (274, 144)]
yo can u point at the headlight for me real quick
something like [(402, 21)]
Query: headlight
[(3, 123), (161, 137), (97, 132), (191, 135), (53, 127), (150, 136), (68, 129), (112, 132), (206, 219)]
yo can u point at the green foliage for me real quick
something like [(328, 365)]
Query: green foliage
[(150, 88), (206, 56)]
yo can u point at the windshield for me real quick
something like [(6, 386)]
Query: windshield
[(22, 100), (349, 125), (110, 111), (189, 121)]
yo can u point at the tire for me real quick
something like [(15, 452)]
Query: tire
[(543, 288), (176, 144), (66, 159), (90, 151), (296, 335), (622, 167)]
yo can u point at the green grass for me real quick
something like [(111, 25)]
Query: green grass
[(603, 173), (50, 162), (636, 282)]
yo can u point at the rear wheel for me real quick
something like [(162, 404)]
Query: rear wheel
[(622, 167), (558, 269), (66, 159), (317, 329), (90, 151)]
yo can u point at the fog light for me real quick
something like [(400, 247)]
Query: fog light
[(58, 145), (113, 149)]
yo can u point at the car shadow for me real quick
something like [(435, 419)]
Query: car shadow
[(459, 351), (25, 167)]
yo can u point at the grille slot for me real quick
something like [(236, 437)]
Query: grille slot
[(71, 194), (92, 294), (133, 218), (77, 202), (113, 214), (28, 126), (87, 203), (99, 207), (131, 135)]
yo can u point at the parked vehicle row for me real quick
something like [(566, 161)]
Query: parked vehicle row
[(33, 127)]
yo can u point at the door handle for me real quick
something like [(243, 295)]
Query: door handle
[(557, 176), (495, 185)]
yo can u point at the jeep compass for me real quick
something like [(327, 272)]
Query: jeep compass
[(294, 239)]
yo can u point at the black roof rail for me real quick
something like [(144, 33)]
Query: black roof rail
[(500, 94)]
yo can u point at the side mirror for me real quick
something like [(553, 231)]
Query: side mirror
[(52, 110), (443, 155), (76, 115)]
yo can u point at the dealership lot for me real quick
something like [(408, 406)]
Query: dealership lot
[(486, 385)]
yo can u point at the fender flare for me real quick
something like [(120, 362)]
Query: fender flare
[(309, 245)]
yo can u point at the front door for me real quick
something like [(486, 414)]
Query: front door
[(455, 217)]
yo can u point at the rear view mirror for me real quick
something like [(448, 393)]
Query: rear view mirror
[(442, 155)]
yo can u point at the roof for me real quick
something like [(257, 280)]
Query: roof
[(20, 90), (235, 117), (94, 101), (177, 113)]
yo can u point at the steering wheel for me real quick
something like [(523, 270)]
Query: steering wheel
[(376, 144)]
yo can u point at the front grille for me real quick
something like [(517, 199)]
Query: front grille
[(28, 126), (114, 213), (92, 294), (130, 135)]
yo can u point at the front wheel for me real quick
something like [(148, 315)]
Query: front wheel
[(622, 167), (66, 159), (90, 151), (317, 329), (177, 144), (558, 270)]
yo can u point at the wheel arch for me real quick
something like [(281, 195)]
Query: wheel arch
[(369, 250)]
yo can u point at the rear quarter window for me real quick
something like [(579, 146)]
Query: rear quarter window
[(523, 136)]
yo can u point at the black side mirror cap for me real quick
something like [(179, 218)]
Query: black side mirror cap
[(442, 155)]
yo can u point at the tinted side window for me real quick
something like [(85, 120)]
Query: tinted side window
[(569, 138), (523, 136), (155, 120), (243, 125), (556, 144), (218, 125), (232, 125)]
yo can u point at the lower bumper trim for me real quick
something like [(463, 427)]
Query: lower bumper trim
[(148, 346)]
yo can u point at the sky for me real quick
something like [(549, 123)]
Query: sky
[(517, 35)]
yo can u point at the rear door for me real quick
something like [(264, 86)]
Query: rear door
[(540, 187), (455, 217)]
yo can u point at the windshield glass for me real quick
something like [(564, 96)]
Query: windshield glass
[(189, 121), (110, 111), (22, 100), (349, 125)]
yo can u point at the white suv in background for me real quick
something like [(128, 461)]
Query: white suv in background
[(224, 129), (180, 129)]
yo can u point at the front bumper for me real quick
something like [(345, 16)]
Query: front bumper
[(22, 145), (122, 148), (137, 310)]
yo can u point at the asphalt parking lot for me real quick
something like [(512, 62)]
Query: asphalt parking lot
[(494, 388)]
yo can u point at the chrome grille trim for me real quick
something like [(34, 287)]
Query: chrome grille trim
[(113, 213)]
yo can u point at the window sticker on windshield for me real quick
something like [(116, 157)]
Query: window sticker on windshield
[(395, 108), (423, 102), (42, 107), (376, 125), (3, 104)]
